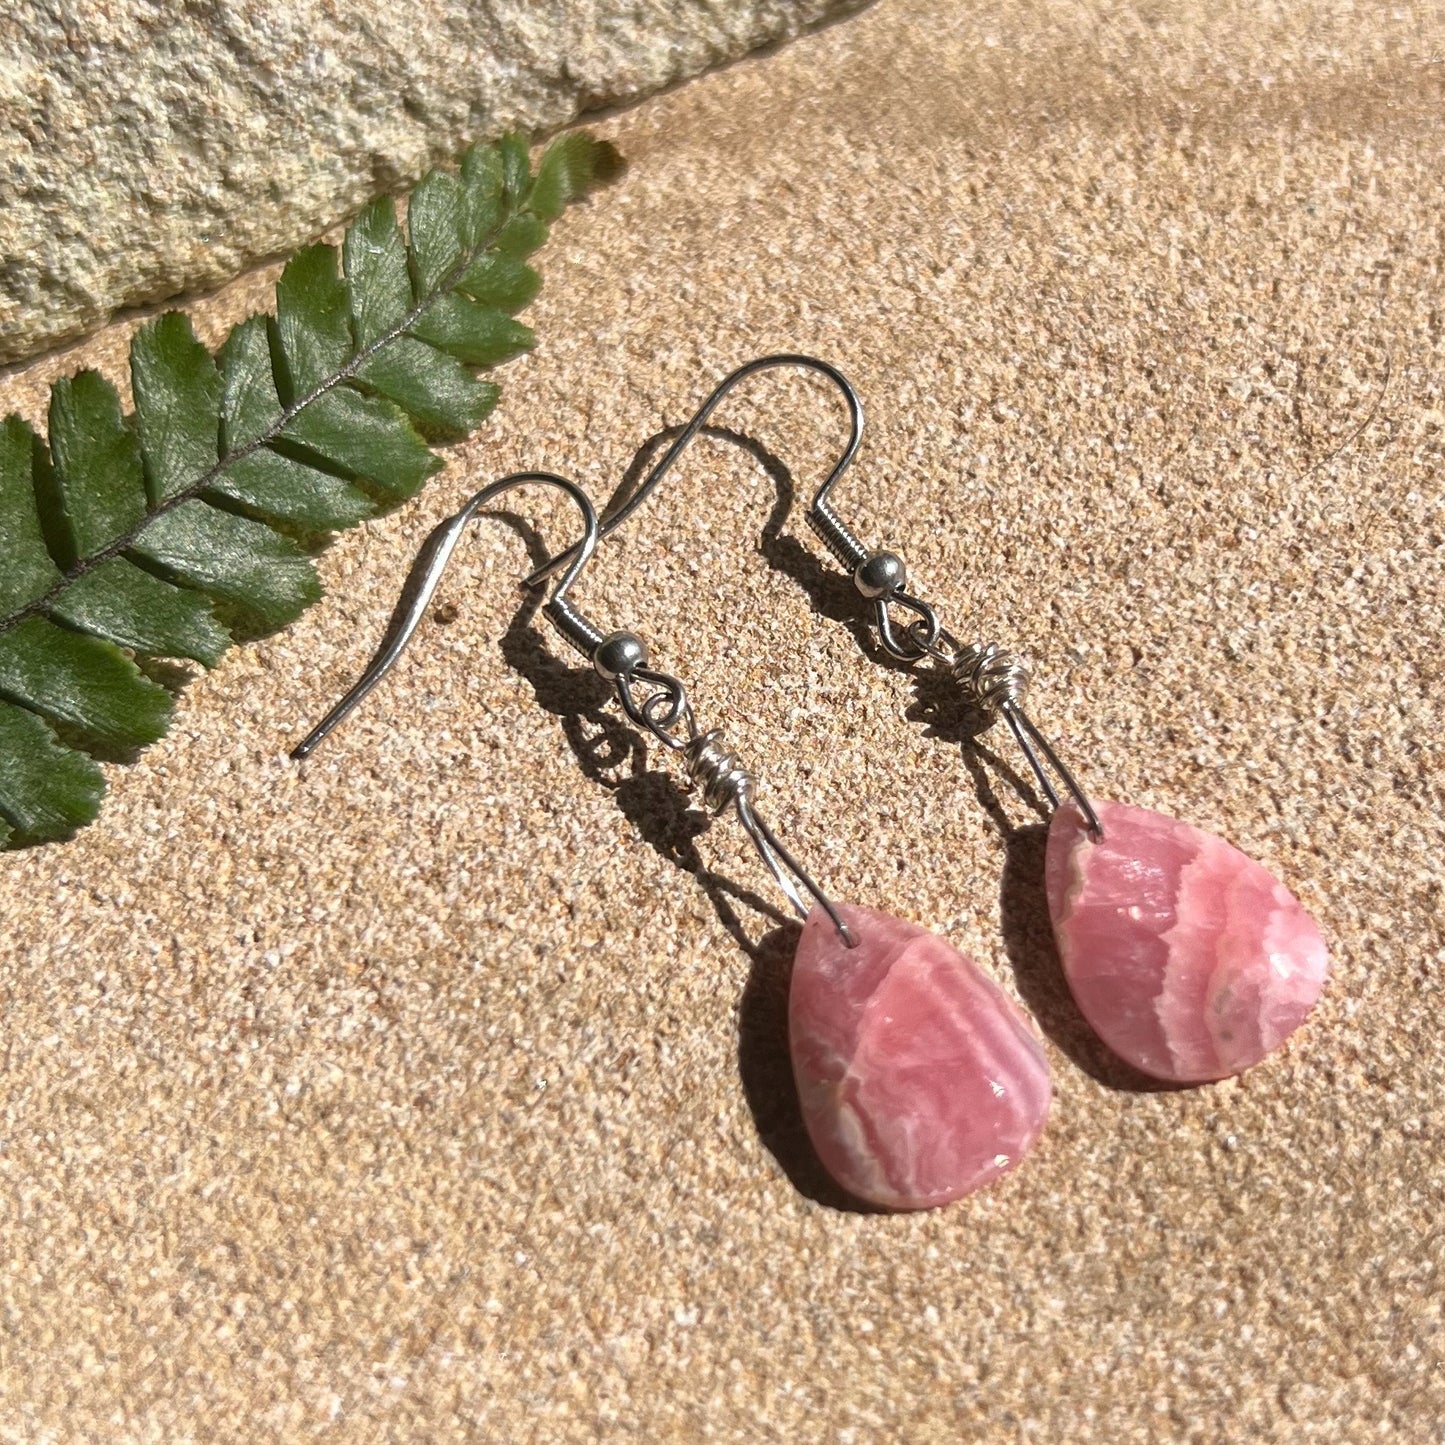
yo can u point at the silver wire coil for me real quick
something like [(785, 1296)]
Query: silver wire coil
[(845, 547), (584, 635), (991, 677), (716, 771)]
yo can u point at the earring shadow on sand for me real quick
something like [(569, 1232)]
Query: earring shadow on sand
[(612, 755), (764, 1062), (1028, 934), (766, 1069)]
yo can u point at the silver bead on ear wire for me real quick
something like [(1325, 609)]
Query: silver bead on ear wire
[(879, 574), (619, 654)]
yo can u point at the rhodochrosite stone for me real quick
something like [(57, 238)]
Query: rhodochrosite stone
[(918, 1079), (1187, 957)]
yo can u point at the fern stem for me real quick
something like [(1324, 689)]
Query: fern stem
[(126, 540)]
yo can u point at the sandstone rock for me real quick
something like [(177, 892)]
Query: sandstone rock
[(148, 149)]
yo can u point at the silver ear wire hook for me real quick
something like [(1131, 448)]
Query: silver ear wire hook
[(618, 657), (994, 680), (881, 579), (427, 572), (613, 518), (879, 576)]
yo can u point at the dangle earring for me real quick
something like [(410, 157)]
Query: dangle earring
[(1188, 958), (919, 1081)]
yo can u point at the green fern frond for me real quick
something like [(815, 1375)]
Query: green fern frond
[(171, 533)]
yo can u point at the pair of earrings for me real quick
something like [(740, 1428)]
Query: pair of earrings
[(918, 1079)]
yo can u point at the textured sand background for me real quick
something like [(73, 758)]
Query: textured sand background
[(434, 1090)]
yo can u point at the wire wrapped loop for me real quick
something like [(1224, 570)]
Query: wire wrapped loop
[(992, 678), (717, 772), (661, 710)]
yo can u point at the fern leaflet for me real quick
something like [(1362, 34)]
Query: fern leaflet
[(173, 532)]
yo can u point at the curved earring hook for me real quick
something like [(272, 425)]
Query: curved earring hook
[(878, 576), (427, 572), (613, 519)]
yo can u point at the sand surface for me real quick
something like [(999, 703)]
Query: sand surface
[(435, 1090)]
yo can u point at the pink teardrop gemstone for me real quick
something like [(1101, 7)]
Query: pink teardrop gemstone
[(1187, 957), (918, 1079)]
